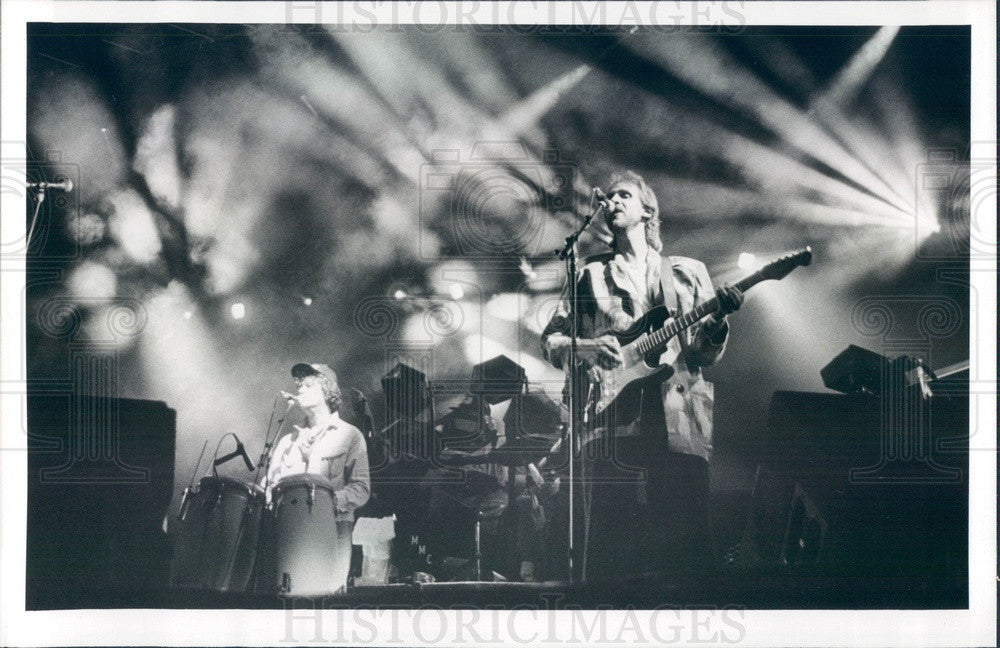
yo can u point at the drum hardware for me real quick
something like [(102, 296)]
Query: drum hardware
[(182, 510), (473, 492), (479, 548), (240, 451)]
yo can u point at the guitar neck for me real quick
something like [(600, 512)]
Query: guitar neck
[(657, 340)]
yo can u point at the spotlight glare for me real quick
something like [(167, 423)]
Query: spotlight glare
[(456, 291), (399, 294), (307, 301), (188, 315), (505, 306), (927, 224), (92, 281), (527, 269), (746, 261), (238, 310)]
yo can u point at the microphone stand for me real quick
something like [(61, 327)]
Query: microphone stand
[(265, 456), (34, 218), (569, 255)]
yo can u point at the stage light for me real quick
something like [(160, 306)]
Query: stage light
[(747, 261), (188, 315), (307, 301), (238, 310), (132, 226), (527, 112), (400, 294), (505, 306), (527, 269), (91, 281), (859, 69), (87, 229), (456, 291)]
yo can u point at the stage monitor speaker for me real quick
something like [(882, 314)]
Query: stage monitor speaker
[(838, 494), (100, 479), (498, 379), (407, 393), (855, 370)]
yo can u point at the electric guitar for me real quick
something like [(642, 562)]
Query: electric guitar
[(644, 343)]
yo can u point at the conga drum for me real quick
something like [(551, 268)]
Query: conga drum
[(215, 539), (312, 550)]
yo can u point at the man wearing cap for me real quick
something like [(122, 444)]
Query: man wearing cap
[(333, 450), (326, 445), (646, 472)]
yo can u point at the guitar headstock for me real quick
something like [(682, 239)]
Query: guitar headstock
[(780, 268)]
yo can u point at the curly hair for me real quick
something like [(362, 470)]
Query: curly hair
[(648, 199), (331, 392)]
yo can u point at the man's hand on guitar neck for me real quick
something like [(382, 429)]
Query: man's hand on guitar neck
[(730, 299)]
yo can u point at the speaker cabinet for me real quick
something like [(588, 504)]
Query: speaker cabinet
[(100, 475), (855, 486)]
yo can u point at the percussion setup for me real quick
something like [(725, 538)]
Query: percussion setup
[(233, 535), (228, 538)]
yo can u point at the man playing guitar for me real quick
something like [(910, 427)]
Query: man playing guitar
[(645, 468)]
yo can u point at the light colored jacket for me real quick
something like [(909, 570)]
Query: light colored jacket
[(611, 301), (336, 452)]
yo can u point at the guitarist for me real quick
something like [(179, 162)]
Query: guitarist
[(645, 468)]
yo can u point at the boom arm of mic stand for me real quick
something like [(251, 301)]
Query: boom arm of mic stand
[(569, 248)]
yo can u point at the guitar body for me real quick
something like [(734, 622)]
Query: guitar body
[(645, 349), (647, 368)]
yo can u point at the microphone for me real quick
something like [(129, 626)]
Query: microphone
[(292, 399), (63, 185), (240, 451), (601, 200)]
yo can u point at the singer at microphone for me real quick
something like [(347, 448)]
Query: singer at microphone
[(324, 443), (599, 201), (662, 427)]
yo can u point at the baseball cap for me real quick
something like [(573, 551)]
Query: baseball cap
[(303, 369)]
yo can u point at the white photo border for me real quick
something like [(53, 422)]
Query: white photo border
[(975, 626)]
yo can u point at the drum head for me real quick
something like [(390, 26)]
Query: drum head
[(305, 480), (217, 483)]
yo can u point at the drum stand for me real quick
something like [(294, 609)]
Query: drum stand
[(479, 548)]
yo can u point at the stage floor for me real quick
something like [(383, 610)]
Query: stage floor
[(648, 592)]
